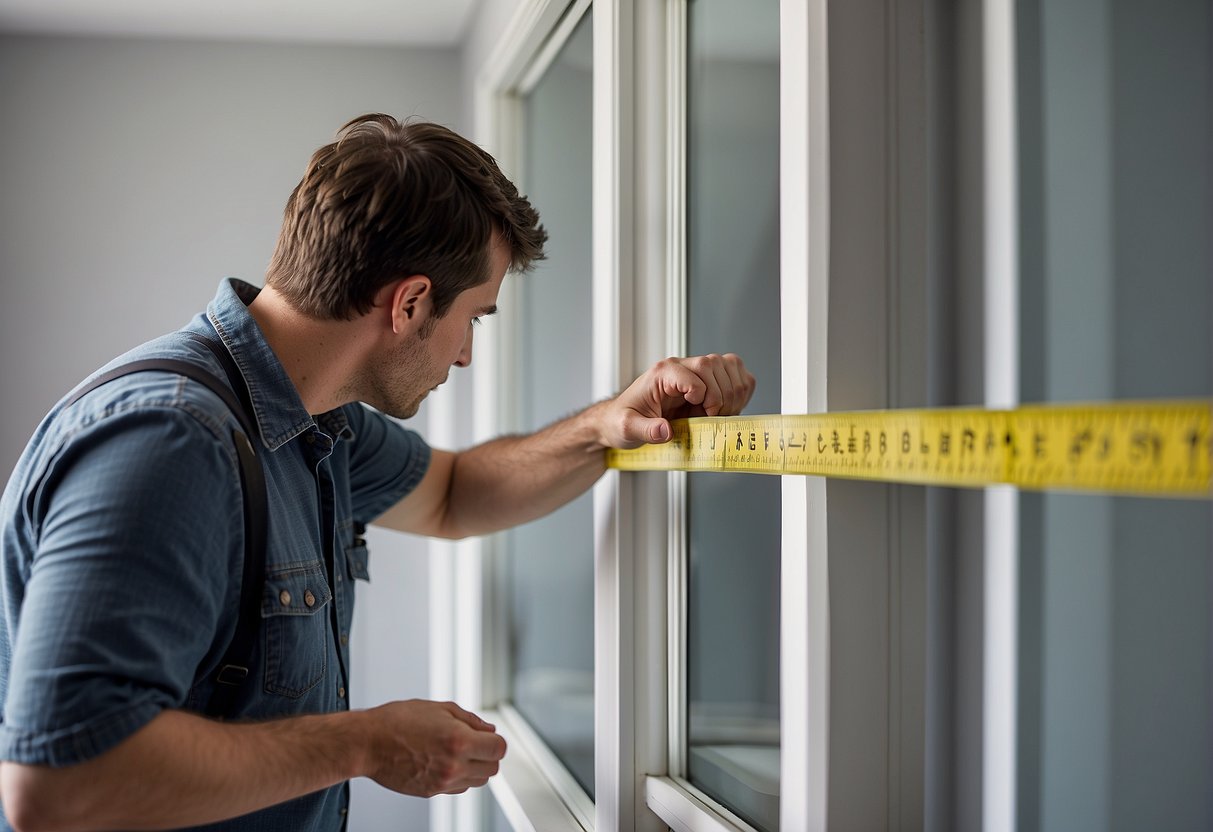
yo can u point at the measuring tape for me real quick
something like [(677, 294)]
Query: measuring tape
[(1155, 448)]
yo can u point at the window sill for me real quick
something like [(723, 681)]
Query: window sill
[(532, 788), (682, 811)]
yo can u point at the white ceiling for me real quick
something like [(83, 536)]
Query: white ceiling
[(411, 22)]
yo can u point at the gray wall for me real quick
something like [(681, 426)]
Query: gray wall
[(137, 174)]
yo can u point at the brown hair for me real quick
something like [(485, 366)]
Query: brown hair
[(387, 200)]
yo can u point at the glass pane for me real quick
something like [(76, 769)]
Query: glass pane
[(1115, 704), (551, 637), (733, 306)]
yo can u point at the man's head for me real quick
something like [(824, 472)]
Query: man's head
[(388, 200)]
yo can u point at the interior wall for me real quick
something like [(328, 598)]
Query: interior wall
[(139, 173)]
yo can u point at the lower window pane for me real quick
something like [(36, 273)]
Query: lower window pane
[(733, 643)]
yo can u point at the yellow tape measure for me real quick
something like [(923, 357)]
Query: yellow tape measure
[(1155, 448)]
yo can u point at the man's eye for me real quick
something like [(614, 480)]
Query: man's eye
[(476, 321)]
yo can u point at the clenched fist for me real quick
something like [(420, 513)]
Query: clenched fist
[(675, 388), (426, 748)]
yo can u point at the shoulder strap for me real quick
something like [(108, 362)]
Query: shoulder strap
[(237, 660)]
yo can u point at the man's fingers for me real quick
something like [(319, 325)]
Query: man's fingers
[(724, 389), (486, 746), (737, 382), (484, 743), (469, 718), (482, 770)]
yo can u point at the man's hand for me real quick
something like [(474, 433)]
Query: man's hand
[(426, 748), (676, 388)]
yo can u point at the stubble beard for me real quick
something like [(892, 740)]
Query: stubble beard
[(396, 392)]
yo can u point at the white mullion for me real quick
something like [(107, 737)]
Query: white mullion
[(804, 278), (614, 624), (676, 306), (646, 518), (1001, 537)]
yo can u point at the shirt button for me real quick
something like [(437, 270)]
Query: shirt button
[(309, 598), (344, 639), (338, 577), (341, 693), (285, 598)]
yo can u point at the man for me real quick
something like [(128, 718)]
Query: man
[(123, 526)]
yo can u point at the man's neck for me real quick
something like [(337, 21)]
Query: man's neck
[(321, 357)]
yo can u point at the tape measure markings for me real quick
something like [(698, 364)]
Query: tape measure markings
[(1145, 448)]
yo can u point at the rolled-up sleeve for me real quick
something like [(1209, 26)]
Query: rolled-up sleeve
[(138, 524), (387, 461)]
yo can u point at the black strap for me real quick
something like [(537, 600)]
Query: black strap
[(237, 660)]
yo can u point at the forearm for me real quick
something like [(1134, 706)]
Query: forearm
[(518, 478), (185, 770), (514, 479)]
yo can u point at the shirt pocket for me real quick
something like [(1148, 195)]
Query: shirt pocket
[(295, 611)]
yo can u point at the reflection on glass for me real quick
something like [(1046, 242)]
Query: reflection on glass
[(551, 597), (1115, 703), (733, 306)]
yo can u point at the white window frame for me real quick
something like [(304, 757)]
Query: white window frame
[(638, 296), (1000, 278), (804, 209)]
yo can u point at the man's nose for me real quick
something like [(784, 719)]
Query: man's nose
[(465, 354)]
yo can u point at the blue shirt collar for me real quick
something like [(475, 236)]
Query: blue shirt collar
[(280, 413)]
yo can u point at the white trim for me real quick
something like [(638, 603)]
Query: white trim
[(551, 48), (615, 635), (523, 737), (1001, 284), (455, 620), (686, 809), (532, 22), (804, 257)]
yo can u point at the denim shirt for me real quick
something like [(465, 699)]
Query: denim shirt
[(122, 553)]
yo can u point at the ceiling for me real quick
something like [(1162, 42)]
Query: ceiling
[(398, 22)]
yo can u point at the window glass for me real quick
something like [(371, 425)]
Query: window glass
[(550, 561), (733, 306), (1115, 117)]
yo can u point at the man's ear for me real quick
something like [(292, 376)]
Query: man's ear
[(410, 302)]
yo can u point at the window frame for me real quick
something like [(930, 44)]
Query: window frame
[(638, 296)]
